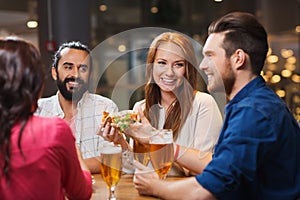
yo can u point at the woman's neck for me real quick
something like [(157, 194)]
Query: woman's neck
[(167, 98)]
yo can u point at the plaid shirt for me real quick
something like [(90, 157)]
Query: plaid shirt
[(86, 123)]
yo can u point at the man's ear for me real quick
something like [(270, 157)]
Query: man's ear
[(239, 58), (54, 73)]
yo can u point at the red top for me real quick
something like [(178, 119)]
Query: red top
[(49, 168)]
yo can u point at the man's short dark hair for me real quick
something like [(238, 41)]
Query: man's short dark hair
[(71, 45), (243, 31)]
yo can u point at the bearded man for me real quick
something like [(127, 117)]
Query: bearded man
[(73, 102)]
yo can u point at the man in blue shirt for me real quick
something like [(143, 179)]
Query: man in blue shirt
[(258, 152)]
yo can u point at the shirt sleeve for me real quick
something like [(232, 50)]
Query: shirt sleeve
[(76, 182), (139, 104), (208, 122)]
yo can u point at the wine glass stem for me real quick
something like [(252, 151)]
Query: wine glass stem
[(112, 193)]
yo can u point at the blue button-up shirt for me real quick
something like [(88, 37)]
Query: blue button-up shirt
[(258, 152)]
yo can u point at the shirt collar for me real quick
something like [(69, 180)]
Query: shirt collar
[(83, 99), (248, 89), (59, 110), (80, 102)]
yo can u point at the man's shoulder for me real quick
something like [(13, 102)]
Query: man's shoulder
[(47, 100), (49, 121), (48, 106), (261, 102), (99, 101), (263, 98), (98, 97)]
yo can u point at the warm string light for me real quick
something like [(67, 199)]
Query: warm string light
[(297, 29), (273, 65), (32, 14), (280, 93), (154, 10), (32, 24), (122, 48), (103, 8)]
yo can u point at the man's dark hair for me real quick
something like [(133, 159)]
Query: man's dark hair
[(71, 45), (243, 31)]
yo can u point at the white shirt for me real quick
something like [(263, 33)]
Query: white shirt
[(86, 123), (201, 129)]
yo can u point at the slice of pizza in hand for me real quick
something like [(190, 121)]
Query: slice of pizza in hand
[(105, 116), (122, 119)]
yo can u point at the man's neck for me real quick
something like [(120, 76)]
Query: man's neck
[(240, 83), (69, 107)]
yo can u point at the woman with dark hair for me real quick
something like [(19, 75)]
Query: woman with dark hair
[(38, 156)]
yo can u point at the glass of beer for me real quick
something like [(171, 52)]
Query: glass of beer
[(141, 152), (162, 151), (111, 167)]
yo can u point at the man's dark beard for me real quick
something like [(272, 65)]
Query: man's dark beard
[(77, 94)]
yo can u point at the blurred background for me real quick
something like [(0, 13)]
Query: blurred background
[(49, 23)]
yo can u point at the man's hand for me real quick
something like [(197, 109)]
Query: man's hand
[(144, 179)]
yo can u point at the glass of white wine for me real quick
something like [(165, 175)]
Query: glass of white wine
[(161, 151), (111, 167)]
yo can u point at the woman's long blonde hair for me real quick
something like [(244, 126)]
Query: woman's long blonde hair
[(185, 93)]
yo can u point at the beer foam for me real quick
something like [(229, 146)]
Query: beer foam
[(163, 136), (161, 142)]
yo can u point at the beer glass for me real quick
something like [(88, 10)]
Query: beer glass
[(161, 151), (141, 152), (111, 167)]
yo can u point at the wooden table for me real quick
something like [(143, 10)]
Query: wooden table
[(125, 189)]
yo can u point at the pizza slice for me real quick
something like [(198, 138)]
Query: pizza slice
[(122, 119)]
